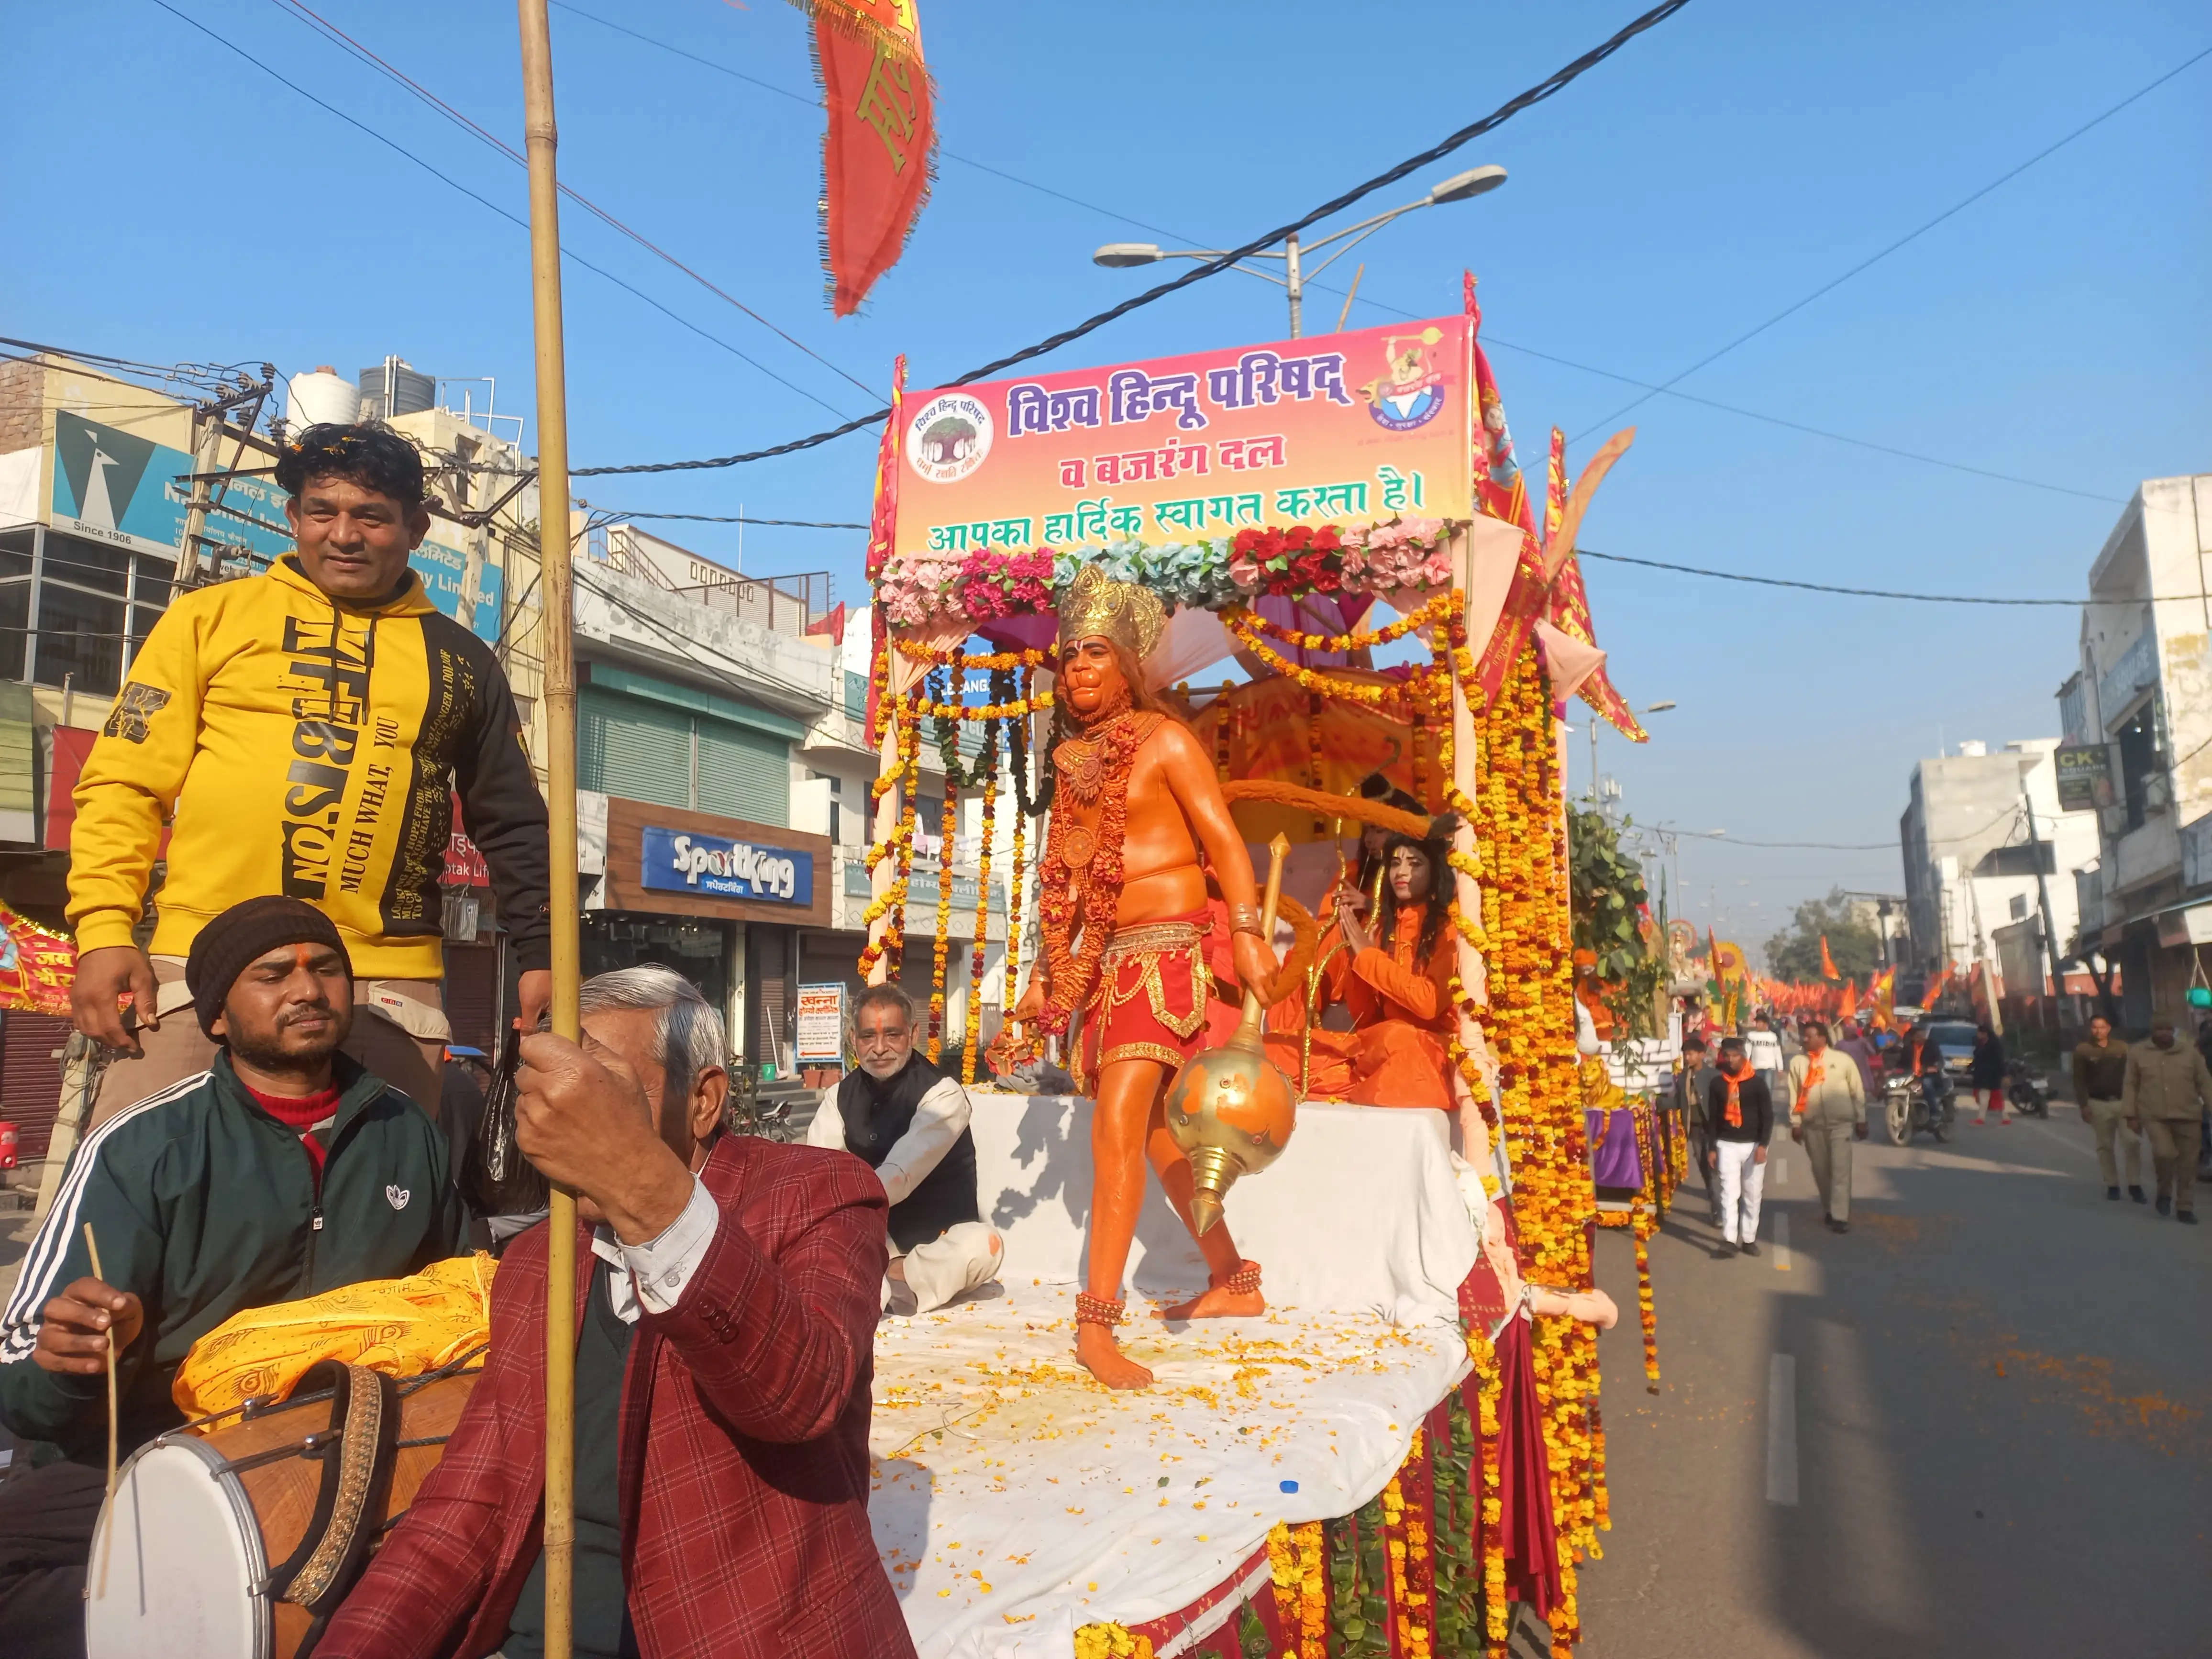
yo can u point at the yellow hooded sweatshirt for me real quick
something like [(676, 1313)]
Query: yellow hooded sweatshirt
[(308, 746)]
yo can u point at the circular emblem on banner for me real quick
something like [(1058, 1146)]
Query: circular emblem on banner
[(1401, 411), (948, 437)]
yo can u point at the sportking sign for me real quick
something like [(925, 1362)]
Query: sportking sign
[(679, 861)]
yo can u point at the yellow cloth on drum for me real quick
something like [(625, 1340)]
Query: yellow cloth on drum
[(401, 1326)]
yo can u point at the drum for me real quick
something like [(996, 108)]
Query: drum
[(236, 1540)]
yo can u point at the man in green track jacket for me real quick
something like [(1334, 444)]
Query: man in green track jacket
[(282, 1171)]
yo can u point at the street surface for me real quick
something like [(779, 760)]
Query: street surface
[(1976, 1424)]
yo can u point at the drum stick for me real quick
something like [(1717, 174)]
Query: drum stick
[(91, 1248)]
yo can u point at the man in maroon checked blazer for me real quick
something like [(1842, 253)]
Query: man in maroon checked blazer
[(727, 1293)]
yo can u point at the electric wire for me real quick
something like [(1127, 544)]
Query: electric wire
[(1830, 587), (484, 201), (1550, 86), (338, 36), (1497, 340), (1910, 237), (618, 513)]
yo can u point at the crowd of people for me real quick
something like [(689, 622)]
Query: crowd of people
[(1730, 1092)]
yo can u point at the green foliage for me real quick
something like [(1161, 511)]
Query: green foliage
[(1608, 896), (1794, 954)]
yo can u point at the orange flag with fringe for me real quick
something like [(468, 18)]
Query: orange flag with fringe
[(878, 151)]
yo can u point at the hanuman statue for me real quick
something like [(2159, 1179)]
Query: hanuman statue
[(1138, 819)]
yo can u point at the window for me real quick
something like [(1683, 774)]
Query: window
[(646, 751), (2141, 759)]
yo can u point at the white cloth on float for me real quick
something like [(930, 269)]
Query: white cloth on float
[(1013, 1499)]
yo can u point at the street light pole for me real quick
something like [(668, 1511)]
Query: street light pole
[(1459, 187)]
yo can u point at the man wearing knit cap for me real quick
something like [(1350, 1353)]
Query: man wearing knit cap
[(282, 1171)]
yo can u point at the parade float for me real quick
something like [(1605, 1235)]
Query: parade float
[(1400, 1449)]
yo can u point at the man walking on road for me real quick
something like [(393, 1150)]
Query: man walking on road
[(306, 730), (2167, 1087), (1690, 1085), (1764, 1049), (1828, 1112), (1740, 1112), (2100, 1075)]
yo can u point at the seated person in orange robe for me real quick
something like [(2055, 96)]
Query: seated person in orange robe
[(1394, 982)]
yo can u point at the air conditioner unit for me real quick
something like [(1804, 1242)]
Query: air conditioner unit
[(2158, 792), (2114, 818)]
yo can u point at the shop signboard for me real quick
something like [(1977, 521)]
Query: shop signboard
[(685, 861), (2085, 777), (819, 1039), (130, 492), (1336, 428)]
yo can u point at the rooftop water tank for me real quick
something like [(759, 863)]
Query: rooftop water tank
[(325, 395), (393, 388)]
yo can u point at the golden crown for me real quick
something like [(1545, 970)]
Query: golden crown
[(1095, 606)]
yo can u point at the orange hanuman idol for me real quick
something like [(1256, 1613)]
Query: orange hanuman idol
[(1137, 817)]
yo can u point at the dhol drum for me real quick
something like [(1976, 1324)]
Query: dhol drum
[(237, 1539)]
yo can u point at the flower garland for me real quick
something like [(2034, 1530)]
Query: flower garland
[(1301, 1584), (1107, 1640), (1488, 1383), (950, 823), (1521, 828), (1090, 885), (1433, 610), (1450, 659), (1407, 1516), (989, 763), (958, 657), (1241, 623), (1205, 573), (906, 776), (1016, 892)]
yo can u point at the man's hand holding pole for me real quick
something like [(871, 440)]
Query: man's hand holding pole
[(586, 1123)]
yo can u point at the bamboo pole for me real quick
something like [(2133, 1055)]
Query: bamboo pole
[(555, 542)]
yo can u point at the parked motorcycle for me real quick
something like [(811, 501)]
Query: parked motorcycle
[(2028, 1091)]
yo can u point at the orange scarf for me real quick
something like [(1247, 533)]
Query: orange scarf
[(1816, 1073), (1734, 1113)]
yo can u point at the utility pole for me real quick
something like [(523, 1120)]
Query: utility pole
[(2043, 895), (210, 425), (554, 544), (1297, 285)]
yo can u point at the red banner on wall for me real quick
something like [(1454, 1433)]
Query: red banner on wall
[(37, 966), (877, 150)]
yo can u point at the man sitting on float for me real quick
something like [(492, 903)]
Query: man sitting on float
[(909, 1121), (1392, 976), (1138, 819)]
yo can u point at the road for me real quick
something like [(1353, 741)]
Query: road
[(1977, 1424)]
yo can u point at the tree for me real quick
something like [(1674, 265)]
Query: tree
[(1794, 954), (1608, 913)]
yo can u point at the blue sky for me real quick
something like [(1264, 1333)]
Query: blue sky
[(1713, 172)]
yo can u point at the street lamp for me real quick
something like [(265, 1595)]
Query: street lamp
[(1459, 187)]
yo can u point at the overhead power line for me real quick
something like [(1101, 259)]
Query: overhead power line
[(452, 183), (1551, 84), (1829, 588), (1367, 298), (346, 42), (1910, 236), (616, 513)]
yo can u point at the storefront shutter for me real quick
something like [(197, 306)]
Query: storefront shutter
[(744, 775), (629, 747), (31, 1077)]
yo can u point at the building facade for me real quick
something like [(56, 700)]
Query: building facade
[(2137, 717), (1972, 866)]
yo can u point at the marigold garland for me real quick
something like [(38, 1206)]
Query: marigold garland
[(953, 657), (1107, 1640), (948, 823), (905, 776), (973, 1024), (1435, 608), (1301, 1581)]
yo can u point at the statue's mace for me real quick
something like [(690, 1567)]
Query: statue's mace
[(1230, 1110)]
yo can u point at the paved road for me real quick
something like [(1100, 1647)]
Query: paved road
[(1977, 1424)]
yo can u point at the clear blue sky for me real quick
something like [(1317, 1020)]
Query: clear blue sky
[(167, 200)]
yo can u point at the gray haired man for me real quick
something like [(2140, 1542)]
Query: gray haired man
[(909, 1122)]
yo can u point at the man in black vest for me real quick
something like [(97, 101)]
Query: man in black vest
[(909, 1121)]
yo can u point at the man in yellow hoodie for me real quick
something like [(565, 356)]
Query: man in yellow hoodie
[(304, 732)]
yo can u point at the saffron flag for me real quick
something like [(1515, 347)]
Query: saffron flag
[(1569, 606), (1827, 962), (879, 146)]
